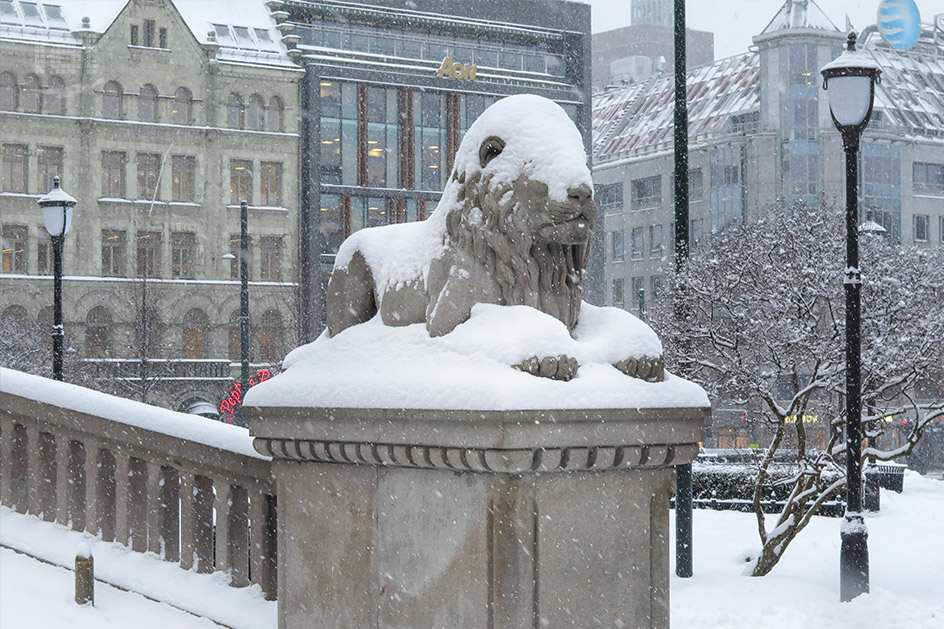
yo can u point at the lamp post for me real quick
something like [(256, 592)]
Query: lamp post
[(850, 82), (244, 303), (57, 215)]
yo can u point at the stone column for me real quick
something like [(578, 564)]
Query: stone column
[(186, 519), (223, 504), (34, 472), (91, 489), (153, 502), (137, 505), (239, 537), (6, 462), (262, 546), (170, 522), (63, 478), (469, 519), (122, 496)]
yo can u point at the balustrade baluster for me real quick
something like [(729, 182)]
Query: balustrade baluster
[(64, 480), (262, 546), (223, 506), (122, 496), (153, 507), (34, 472), (92, 507), (6, 462)]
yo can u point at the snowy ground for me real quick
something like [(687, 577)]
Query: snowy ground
[(907, 571), (907, 560)]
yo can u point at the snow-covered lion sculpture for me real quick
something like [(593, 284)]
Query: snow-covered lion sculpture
[(513, 228)]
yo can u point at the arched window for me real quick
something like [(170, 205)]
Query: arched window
[(234, 112), (32, 101), (147, 104), (183, 101), (97, 333), (255, 113), (8, 92), (112, 96), (54, 101), (269, 333), (193, 337), (274, 114)]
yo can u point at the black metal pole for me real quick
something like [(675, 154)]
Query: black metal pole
[(854, 553), (57, 332), (683, 478), (244, 300)]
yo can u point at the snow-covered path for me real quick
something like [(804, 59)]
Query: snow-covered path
[(906, 551)]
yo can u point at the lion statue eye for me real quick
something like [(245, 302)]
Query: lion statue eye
[(490, 149)]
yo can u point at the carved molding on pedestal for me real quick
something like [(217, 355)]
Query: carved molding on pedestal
[(495, 460)]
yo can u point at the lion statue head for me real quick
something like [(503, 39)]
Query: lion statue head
[(513, 227)]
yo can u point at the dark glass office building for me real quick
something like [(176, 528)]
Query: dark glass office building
[(391, 87)]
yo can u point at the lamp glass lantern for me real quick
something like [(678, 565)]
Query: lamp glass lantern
[(849, 81), (57, 210)]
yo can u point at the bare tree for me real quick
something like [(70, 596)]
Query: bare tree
[(765, 331)]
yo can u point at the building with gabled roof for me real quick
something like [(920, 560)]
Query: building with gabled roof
[(760, 134)]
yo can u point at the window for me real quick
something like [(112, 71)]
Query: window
[(697, 231), (610, 198), (269, 333), (331, 125), (112, 96), (274, 114), (922, 227), (255, 113), (382, 138), (14, 248), (235, 337), (44, 261), (54, 100), (98, 323), (8, 92), (183, 178), (618, 292), (134, 35), (147, 104), (14, 167), (647, 192), (183, 253), (655, 240), (149, 168), (181, 111), (928, 178), (270, 252), (656, 283), (149, 254), (429, 110), (639, 293), (726, 186), (880, 185), (234, 248), (696, 185), (193, 335), (49, 165), (240, 181), (162, 38), (234, 112), (270, 180), (32, 101), (114, 250), (113, 174), (637, 243), (149, 29), (616, 241)]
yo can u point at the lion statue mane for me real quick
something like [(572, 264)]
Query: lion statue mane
[(513, 227)]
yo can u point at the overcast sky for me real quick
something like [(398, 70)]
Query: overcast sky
[(734, 22)]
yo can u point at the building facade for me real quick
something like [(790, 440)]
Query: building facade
[(390, 89), (761, 135), (159, 117)]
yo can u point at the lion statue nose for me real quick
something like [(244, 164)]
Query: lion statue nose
[(579, 194)]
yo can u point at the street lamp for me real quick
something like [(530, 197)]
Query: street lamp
[(850, 82), (57, 214)]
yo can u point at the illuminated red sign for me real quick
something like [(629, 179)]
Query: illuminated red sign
[(234, 399)]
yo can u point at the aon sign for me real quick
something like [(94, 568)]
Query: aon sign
[(456, 70)]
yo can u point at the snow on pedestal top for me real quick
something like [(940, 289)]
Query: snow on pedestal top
[(376, 366)]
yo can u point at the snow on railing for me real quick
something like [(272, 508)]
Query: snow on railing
[(189, 489)]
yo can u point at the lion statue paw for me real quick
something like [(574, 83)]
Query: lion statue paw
[(554, 367), (645, 368)]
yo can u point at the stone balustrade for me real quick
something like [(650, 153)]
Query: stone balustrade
[(205, 505)]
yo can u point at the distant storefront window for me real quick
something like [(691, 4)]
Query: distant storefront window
[(928, 178), (880, 185), (240, 181), (727, 186), (647, 192), (609, 198)]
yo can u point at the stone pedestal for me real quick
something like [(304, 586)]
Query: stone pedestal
[(414, 518)]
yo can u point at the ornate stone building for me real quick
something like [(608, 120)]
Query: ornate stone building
[(160, 117)]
